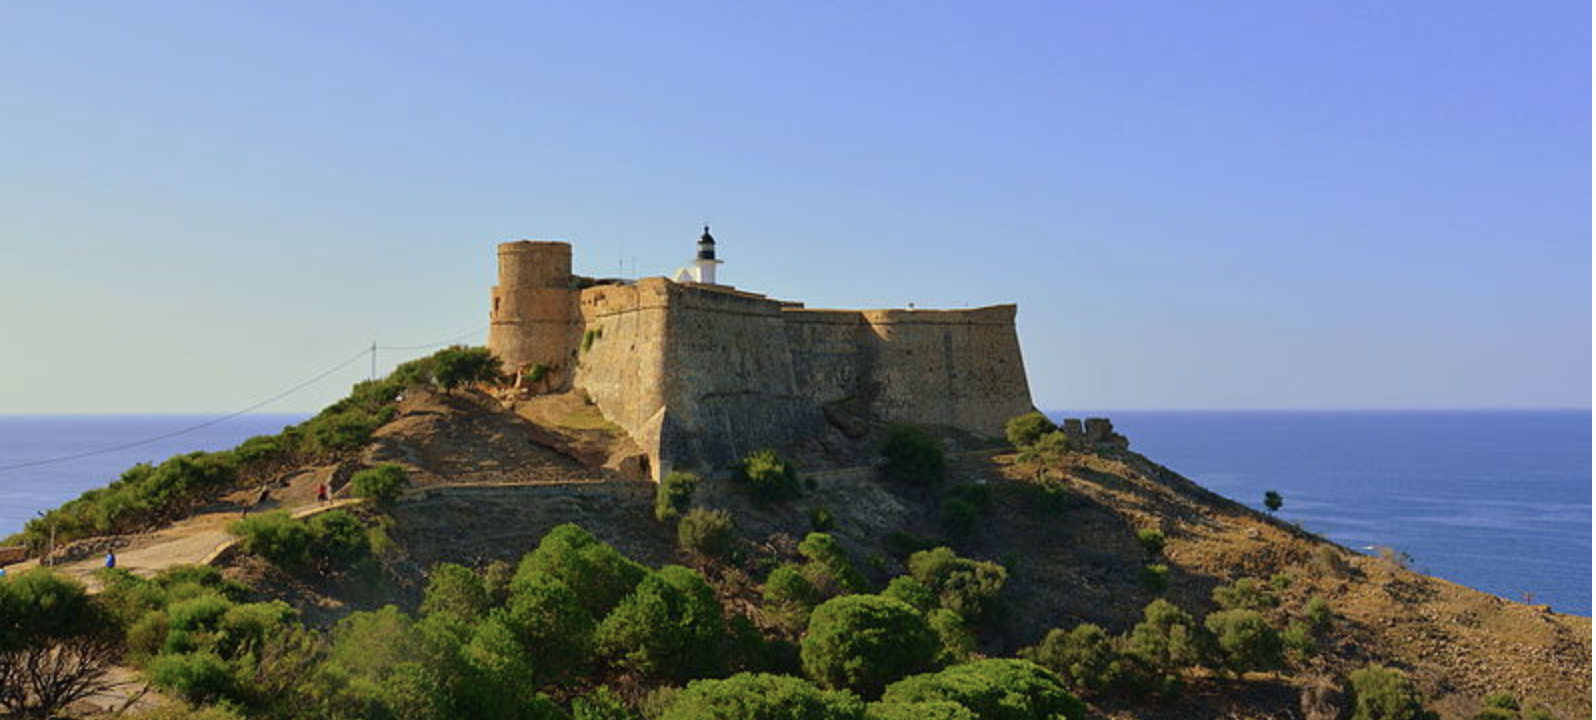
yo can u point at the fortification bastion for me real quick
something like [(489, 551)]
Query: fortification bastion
[(700, 374)]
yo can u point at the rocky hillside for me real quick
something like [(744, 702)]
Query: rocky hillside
[(488, 483)]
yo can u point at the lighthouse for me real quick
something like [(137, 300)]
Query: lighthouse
[(703, 268)]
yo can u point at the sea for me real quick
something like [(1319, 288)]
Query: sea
[(1495, 500)]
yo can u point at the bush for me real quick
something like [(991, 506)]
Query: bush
[(997, 689), (1024, 430), (674, 495), (337, 538), (787, 586), (1167, 639), (1379, 693), (1152, 542), (706, 533), (771, 478), (1298, 641), (1316, 614), (275, 536), (1244, 640), (199, 677), (913, 592), (601, 704), (954, 639), (669, 627), (454, 589), (594, 571), (1050, 495), (828, 567), (458, 365), (820, 520), (863, 642), (382, 484), (748, 696), (913, 457), (1048, 448), (967, 587), (1085, 657), (1244, 594), (1281, 580)]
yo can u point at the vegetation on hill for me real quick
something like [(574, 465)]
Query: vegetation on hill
[(147, 495)]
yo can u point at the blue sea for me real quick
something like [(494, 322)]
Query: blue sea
[(1495, 500), (1498, 501)]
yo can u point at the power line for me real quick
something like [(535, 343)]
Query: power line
[(372, 351)]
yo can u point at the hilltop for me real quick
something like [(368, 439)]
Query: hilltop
[(488, 477)]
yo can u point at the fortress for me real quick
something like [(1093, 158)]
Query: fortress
[(699, 374)]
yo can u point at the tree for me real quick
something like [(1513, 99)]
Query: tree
[(382, 484), (1152, 541), (1244, 594), (551, 622), (789, 596), (953, 635), (669, 627), (829, 568), (458, 365), (1167, 640), (995, 689), (1273, 501), (863, 642), (56, 643), (454, 589), (967, 587), (673, 495), (1375, 692), (601, 704), (1244, 640), (594, 571), (757, 696), (706, 533), (912, 591), (913, 457), (1024, 430)]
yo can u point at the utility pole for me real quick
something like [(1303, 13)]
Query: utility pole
[(373, 359)]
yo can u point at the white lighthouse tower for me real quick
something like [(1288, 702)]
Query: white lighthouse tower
[(703, 268)]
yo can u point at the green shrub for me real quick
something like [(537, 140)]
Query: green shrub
[(1048, 448), (198, 614), (706, 533), (1244, 594), (458, 365), (535, 374), (601, 704), (382, 484), (912, 457), (1298, 641), (787, 586), (996, 689), (1244, 640), (275, 536), (820, 520), (1152, 542), (674, 495), (1050, 495), (1167, 639), (913, 592), (245, 629), (864, 642), (336, 538), (1024, 430), (1379, 693), (967, 587), (198, 677), (1154, 578), (770, 477), (954, 639), (594, 571), (669, 627), (1281, 581), (1084, 657), (454, 589), (1316, 614), (828, 567), (749, 696)]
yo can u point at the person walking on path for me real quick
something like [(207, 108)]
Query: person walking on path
[(321, 492), (110, 559)]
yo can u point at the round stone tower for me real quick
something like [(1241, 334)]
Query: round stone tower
[(533, 316)]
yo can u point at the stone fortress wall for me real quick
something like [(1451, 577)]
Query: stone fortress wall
[(700, 375)]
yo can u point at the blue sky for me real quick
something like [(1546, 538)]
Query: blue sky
[(1196, 205)]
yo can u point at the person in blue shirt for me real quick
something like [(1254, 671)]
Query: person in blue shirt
[(110, 558)]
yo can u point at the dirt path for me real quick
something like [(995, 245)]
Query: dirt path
[(195, 541)]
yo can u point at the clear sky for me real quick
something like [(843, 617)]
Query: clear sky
[(1195, 205)]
